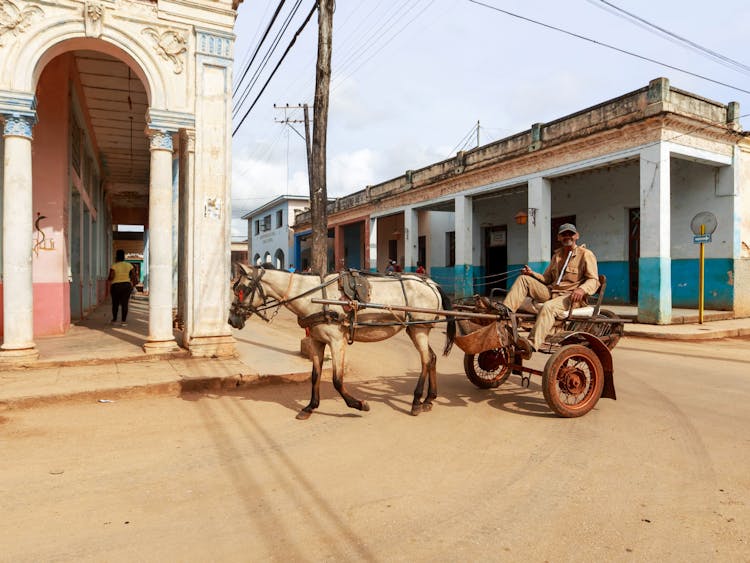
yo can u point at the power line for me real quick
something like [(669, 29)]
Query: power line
[(386, 43), (286, 52), (257, 48), (608, 46), (464, 140), (267, 57), (673, 37)]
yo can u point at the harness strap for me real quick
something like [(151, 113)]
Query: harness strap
[(288, 289), (321, 317), (406, 298)]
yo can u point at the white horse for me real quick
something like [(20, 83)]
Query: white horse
[(258, 289)]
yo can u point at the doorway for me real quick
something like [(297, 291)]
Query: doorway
[(496, 258), (634, 251)]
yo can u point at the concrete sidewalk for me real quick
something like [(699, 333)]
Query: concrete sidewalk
[(96, 361)]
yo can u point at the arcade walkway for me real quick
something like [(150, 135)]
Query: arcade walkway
[(94, 340)]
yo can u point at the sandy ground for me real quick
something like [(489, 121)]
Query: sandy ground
[(658, 475)]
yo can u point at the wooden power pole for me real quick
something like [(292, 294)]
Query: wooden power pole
[(318, 190)]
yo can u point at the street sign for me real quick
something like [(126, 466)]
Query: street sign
[(698, 239), (704, 219)]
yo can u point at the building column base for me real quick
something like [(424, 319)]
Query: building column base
[(18, 356), (212, 347), (161, 346)]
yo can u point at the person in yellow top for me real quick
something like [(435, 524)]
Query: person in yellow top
[(571, 277), (123, 278)]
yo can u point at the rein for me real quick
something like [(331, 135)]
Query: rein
[(268, 302)]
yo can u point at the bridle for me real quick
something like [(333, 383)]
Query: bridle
[(248, 284), (245, 289)]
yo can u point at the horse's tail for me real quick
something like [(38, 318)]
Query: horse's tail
[(450, 334)]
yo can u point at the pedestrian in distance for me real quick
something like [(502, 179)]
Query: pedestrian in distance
[(391, 267), (420, 269), (123, 279)]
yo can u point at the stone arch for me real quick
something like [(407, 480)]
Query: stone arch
[(256, 259), (278, 259), (29, 58)]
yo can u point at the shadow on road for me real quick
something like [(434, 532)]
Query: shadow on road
[(394, 392)]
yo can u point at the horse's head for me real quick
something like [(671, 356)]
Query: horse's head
[(248, 295)]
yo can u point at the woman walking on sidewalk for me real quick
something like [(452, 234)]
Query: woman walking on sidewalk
[(123, 280)]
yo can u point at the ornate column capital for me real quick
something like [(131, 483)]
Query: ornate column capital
[(18, 125), (187, 139), (160, 139)]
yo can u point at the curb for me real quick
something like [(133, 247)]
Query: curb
[(41, 364), (709, 334), (182, 386)]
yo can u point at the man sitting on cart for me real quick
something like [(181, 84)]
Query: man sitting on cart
[(570, 278)]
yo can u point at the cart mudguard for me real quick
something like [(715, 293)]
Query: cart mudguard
[(604, 355)]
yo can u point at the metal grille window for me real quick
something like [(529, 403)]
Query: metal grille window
[(279, 219), (266, 223), (75, 147), (450, 248)]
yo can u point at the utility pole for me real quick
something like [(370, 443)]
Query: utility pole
[(318, 189), (477, 133), (306, 138)]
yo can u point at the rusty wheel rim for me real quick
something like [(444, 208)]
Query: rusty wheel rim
[(575, 380), (491, 363)]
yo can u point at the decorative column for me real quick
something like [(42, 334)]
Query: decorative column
[(538, 223), (654, 265), (411, 236), (373, 245), (18, 303), (463, 269), (160, 334)]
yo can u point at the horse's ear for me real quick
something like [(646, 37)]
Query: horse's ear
[(242, 268)]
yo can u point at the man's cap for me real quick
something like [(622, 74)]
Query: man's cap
[(393, 261), (567, 227)]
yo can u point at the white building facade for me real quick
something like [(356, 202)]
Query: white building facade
[(116, 113), (270, 231)]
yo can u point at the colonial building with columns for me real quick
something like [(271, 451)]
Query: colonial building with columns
[(115, 112), (632, 173)]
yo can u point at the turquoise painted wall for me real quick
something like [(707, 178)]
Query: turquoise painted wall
[(444, 276), (618, 282), (719, 292), (718, 272)]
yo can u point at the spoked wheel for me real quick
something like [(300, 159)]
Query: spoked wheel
[(488, 369), (614, 331), (573, 380)]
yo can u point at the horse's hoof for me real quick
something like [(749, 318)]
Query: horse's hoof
[(426, 407), (364, 406), (303, 415), (416, 409)]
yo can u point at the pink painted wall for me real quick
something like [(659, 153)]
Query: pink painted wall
[(50, 197)]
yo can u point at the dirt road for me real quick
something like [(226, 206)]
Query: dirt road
[(659, 475)]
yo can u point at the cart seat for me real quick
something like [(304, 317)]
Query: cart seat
[(585, 312)]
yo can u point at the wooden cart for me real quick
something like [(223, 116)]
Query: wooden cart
[(579, 370)]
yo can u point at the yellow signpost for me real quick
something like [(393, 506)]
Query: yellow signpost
[(701, 270), (703, 225)]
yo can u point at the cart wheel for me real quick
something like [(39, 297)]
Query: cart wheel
[(615, 330), (488, 369), (573, 380)]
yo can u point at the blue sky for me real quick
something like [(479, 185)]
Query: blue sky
[(411, 78)]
